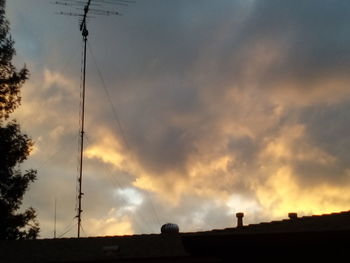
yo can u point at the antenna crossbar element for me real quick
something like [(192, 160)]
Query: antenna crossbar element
[(112, 3), (103, 12), (63, 3), (73, 3), (67, 13)]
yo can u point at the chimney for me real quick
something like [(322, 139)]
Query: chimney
[(292, 216), (239, 219)]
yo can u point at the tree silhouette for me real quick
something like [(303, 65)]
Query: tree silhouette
[(14, 146)]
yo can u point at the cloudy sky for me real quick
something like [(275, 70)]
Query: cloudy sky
[(196, 110)]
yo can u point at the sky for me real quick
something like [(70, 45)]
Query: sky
[(195, 110)]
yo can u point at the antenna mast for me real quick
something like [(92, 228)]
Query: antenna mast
[(85, 34), (84, 31)]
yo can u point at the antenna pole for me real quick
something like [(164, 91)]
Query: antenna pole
[(85, 34), (83, 28)]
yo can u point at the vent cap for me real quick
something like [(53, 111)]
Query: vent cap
[(169, 228)]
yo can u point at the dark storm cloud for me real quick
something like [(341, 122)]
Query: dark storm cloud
[(314, 41), (318, 34), (314, 35), (327, 126)]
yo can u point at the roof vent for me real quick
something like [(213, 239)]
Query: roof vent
[(239, 219), (169, 228), (292, 216)]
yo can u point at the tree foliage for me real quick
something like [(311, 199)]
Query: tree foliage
[(10, 79), (15, 147)]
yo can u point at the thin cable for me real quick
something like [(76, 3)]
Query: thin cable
[(68, 228), (154, 210), (116, 184), (67, 231), (82, 228), (114, 111), (51, 156), (116, 118)]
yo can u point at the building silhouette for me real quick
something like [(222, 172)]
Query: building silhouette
[(312, 238)]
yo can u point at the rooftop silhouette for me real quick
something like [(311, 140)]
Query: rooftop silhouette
[(311, 237)]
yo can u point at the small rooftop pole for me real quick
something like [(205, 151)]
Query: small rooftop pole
[(239, 216), (54, 225)]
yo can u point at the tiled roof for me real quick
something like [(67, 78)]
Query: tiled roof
[(326, 222), (311, 238), (307, 235)]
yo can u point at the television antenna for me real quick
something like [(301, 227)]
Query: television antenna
[(86, 9)]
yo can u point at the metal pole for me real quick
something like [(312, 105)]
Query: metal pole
[(54, 227), (85, 33)]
